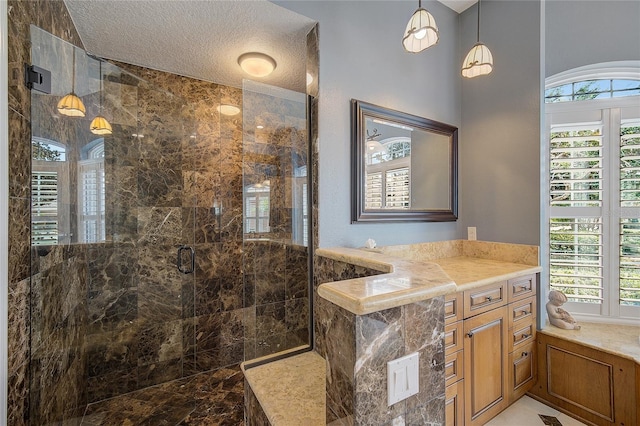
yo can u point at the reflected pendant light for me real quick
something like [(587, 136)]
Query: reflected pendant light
[(421, 32), (71, 104), (100, 125), (479, 60)]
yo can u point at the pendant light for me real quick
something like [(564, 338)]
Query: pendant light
[(71, 104), (100, 125), (479, 60), (421, 31)]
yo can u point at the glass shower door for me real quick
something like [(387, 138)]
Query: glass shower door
[(276, 220), (111, 311)]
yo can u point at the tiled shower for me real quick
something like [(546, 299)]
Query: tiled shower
[(103, 310)]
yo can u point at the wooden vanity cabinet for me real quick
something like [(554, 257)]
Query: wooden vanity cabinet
[(454, 359), (486, 357), (489, 349)]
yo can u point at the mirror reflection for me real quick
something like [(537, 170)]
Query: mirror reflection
[(405, 166)]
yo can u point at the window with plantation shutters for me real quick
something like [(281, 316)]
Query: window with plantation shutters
[(50, 218), (256, 208), (91, 200), (374, 191), (629, 236), (594, 205), (44, 208), (576, 260), (397, 188)]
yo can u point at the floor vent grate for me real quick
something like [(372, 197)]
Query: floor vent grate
[(550, 420)]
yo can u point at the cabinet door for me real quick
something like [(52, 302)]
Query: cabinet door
[(486, 357)]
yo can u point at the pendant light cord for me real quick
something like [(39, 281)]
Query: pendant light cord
[(478, 39), (100, 77), (73, 72)]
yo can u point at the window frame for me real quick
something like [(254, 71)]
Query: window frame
[(586, 111)]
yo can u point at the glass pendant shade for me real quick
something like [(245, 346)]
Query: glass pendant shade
[(71, 105), (479, 61), (100, 126), (421, 32)]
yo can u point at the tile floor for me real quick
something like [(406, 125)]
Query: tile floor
[(524, 412), (215, 398)]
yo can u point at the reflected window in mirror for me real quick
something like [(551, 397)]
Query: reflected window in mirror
[(49, 202)]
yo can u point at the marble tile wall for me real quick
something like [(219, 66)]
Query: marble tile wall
[(53, 17), (58, 327), (254, 414), (335, 341), (151, 323), (357, 349)]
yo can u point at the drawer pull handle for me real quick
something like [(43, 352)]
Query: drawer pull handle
[(489, 298), (525, 335), (525, 354), (469, 334)]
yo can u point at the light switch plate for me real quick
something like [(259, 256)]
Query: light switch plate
[(403, 378)]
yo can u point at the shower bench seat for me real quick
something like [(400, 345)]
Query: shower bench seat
[(286, 392)]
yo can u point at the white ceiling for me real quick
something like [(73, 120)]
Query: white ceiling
[(195, 38), (198, 38), (458, 5)]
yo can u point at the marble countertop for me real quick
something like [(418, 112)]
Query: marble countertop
[(413, 279), (275, 382), (621, 340)]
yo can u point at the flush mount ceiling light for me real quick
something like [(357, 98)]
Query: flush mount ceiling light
[(71, 105), (479, 60), (421, 32), (100, 125), (225, 109), (257, 64)]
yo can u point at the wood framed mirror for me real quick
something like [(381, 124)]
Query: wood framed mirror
[(403, 167)]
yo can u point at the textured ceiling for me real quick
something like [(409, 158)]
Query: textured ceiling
[(200, 38), (194, 38)]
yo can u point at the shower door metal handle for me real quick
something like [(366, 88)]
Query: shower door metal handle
[(192, 255)]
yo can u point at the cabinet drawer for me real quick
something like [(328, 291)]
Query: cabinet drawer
[(454, 404), (453, 340), (483, 299), (525, 333), (452, 308), (523, 371), (522, 287), (522, 312), (453, 368)]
